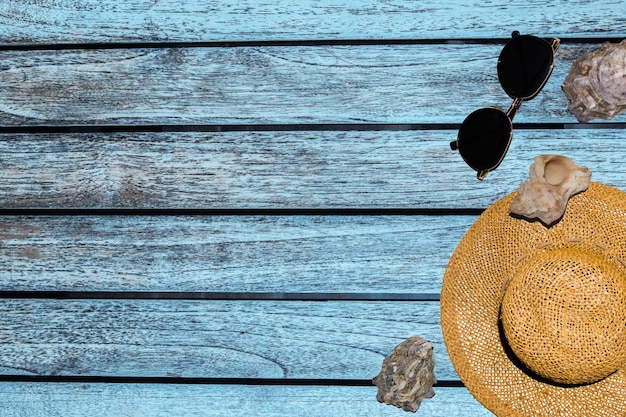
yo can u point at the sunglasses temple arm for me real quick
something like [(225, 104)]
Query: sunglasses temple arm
[(513, 109)]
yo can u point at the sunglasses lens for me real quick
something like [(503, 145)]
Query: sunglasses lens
[(524, 66), (484, 138)]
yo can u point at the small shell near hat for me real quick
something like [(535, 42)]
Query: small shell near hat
[(554, 179)]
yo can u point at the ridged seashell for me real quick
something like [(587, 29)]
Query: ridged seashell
[(407, 375), (553, 180), (596, 84)]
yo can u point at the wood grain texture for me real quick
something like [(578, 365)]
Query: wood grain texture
[(379, 83), (54, 21), (260, 85), (366, 254), (412, 169), (106, 400), (212, 339)]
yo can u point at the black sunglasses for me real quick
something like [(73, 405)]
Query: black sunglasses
[(524, 66)]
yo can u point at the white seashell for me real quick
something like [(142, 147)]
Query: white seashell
[(553, 180), (596, 84), (407, 375)]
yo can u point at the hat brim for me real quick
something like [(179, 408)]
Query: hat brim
[(472, 291)]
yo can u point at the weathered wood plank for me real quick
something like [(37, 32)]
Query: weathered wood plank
[(51, 21), (414, 169), (220, 339), (349, 84), (366, 254), (79, 400)]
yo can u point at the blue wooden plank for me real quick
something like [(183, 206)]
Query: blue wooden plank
[(279, 170), (129, 400), (206, 20), (339, 340), (267, 85), (229, 254)]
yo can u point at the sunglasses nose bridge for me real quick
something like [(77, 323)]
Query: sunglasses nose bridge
[(510, 113)]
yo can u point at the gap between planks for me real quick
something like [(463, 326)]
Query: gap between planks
[(288, 127), (284, 43), (348, 212), (214, 295), (88, 379)]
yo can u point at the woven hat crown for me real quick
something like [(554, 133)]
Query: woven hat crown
[(563, 314)]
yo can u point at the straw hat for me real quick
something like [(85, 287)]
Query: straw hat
[(534, 317)]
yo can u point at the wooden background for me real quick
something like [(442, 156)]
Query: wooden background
[(233, 208)]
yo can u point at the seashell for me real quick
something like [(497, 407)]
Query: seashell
[(553, 180), (407, 375), (596, 84)]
